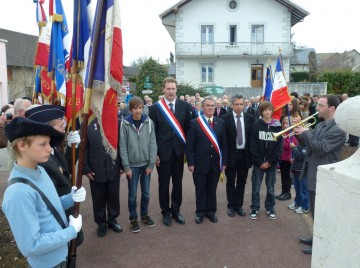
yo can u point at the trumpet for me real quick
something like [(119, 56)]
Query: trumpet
[(304, 123)]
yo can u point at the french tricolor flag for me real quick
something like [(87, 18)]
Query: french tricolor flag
[(42, 49)]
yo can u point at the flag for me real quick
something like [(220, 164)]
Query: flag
[(42, 49), (268, 84), (59, 47), (108, 73), (280, 94)]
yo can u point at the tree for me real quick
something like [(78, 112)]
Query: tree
[(188, 89), (139, 61), (342, 81), (152, 73)]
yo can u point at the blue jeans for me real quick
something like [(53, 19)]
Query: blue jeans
[(138, 173), (256, 178), (302, 194)]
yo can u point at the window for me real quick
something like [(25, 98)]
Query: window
[(233, 4), (207, 34), (232, 34), (257, 33), (207, 73)]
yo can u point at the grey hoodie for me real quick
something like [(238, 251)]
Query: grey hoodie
[(137, 146)]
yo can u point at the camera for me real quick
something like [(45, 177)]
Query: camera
[(9, 116)]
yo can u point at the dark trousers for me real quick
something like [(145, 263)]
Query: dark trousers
[(173, 168), (205, 192), (105, 197), (285, 176), (312, 195), (353, 140), (236, 180)]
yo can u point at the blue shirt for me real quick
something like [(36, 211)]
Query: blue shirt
[(37, 233)]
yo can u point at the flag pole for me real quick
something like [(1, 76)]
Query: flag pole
[(88, 91)]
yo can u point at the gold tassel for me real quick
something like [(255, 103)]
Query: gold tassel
[(57, 18), (222, 176), (185, 160)]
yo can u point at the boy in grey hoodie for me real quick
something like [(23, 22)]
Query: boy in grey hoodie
[(138, 151)]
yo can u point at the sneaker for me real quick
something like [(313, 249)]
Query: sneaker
[(285, 196), (253, 215), (300, 210), (271, 214), (292, 206), (134, 226), (147, 221)]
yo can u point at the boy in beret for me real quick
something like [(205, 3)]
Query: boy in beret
[(37, 232)]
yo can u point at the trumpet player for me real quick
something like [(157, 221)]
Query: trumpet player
[(324, 145)]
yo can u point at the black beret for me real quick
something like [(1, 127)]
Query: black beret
[(45, 113), (21, 127)]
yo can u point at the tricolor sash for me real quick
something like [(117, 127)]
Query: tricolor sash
[(210, 134), (170, 117)]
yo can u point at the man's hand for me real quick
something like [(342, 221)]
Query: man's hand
[(148, 171), (157, 161), (128, 174), (90, 176), (298, 130), (265, 165), (73, 138), (191, 168)]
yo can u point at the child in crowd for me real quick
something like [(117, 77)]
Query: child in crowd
[(37, 232), (138, 151), (301, 201), (265, 152), (285, 163)]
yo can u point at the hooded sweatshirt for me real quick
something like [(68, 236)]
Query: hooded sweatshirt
[(263, 146), (137, 145)]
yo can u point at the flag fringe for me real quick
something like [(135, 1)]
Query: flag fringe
[(42, 23), (57, 18)]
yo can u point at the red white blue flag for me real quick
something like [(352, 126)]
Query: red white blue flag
[(108, 73), (42, 49)]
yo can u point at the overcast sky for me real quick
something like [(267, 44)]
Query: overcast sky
[(332, 26)]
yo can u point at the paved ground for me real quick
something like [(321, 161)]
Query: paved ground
[(232, 242)]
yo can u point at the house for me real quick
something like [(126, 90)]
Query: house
[(299, 61), (229, 44), (20, 53), (337, 61)]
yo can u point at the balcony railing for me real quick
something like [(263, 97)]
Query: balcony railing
[(239, 49)]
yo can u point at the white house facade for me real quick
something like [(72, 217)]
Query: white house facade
[(229, 43)]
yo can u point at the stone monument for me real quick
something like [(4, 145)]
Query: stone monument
[(336, 240)]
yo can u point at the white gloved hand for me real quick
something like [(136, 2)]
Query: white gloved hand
[(78, 195), (75, 222), (73, 138)]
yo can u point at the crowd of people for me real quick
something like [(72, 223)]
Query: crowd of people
[(212, 136)]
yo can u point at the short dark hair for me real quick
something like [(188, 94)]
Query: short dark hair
[(295, 94), (135, 102), (265, 105), (206, 99), (169, 80), (332, 100), (235, 98)]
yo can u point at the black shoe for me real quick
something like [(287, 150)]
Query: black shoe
[(167, 220), (307, 250), (231, 212), (179, 218), (199, 220), (307, 240), (212, 218), (101, 232), (115, 227), (285, 196), (241, 212), (277, 197)]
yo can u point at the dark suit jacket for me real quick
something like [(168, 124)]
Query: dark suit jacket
[(230, 128), (199, 150), (252, 111), (166, 138), (321, 149), (96, 159), (222, 112), (228, 109)]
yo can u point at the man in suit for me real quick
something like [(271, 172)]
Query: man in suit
[(103, 173), (226, 106), (324, 145), (171, 149), (219, 110), (204, 160), (238, 126), (248, 109)]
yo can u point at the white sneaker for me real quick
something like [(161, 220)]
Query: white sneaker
[(271, 214), (300, 210), (292, 206)]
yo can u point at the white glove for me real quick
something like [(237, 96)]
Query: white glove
[(78, 195), (75, 222), (73, 138)]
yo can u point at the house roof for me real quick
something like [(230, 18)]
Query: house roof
[(130, 70), (20, 48), (297, 13), (301, 56)]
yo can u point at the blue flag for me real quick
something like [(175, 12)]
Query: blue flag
[(268, 84)]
